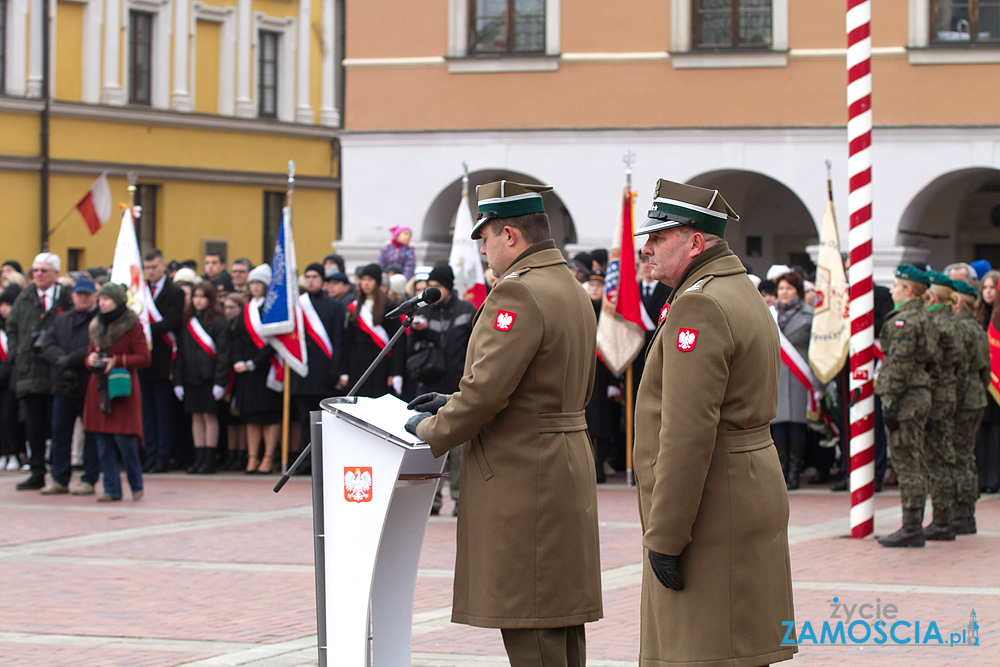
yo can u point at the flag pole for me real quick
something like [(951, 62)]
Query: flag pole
[(286, 389), (629, 159)]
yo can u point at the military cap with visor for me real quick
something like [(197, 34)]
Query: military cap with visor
[(912, 273), (682, 205), (507, 199)]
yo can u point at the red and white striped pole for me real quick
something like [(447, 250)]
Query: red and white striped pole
[(859, 206)]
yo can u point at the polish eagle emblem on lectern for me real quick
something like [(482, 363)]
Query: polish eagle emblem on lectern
[(358, 485)]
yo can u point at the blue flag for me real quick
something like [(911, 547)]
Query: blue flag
[(281, 318)]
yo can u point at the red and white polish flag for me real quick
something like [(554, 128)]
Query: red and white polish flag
[(95, 207)]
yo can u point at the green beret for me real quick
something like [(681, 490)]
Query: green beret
[(938, 278), (115, 292), (507, 199), (965, 288), (912, 273), (676, 204)]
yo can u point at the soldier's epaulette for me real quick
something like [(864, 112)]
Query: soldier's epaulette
[(515, 274), (699, 285)]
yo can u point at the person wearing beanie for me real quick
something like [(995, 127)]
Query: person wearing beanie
[(257, 390), (11, 428), (397, 287), (33, 312), (117, 341), (435, 357), (368, 330), (399, 251), (10, 265)]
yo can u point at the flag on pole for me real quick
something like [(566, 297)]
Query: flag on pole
[(620, 332), (994, 335), (281, 319), (126, 269), (95, 207), (470, 284), (831, 332)]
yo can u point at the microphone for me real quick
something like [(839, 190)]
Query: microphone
[(429, 295)]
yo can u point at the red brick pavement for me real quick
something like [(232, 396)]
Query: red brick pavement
[(212, 566)]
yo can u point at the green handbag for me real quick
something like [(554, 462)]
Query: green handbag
[(119, 383)]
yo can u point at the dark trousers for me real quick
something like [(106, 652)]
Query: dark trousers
[(157, 418), (546, 647), (11, 427), (65, 410), (38, 428)]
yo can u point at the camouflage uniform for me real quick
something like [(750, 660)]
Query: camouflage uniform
[(903, 383), (969, 412), (939, 447)]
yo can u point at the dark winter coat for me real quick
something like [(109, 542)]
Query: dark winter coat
[(170, 302), (25, 324), (324, 372), (360, 351), (65, 348), (252, 394), (125, 341), (194, 366), (449, 325)]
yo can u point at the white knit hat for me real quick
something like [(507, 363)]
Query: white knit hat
[(260, 273)]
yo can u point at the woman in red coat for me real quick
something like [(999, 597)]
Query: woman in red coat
[(116, 341)]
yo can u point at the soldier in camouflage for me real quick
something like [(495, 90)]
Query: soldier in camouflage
[(969, 409), (945, 368), (908, 340)]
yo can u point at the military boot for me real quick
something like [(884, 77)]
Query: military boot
[(910, 535), (796, 451), (964, 526), (939, 533)]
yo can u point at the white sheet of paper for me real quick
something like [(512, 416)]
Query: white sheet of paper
[(386, 412)]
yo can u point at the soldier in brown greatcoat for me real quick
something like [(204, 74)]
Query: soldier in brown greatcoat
[(716, 582), (528, 559)]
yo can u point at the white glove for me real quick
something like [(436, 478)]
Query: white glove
[(614, 391), (397, 384), (179, 393), (218, 391)]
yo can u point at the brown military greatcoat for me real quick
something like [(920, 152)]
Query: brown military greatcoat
[(710, 483), (528, 552)]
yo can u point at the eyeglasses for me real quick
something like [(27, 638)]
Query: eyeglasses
[(37, 270)]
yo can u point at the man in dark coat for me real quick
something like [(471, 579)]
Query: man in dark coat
[(323, 318), (65, 348), (158, 413), (32, 313), (441, 330)]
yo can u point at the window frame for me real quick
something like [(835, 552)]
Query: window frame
[(460, 61), (145, 226), (133, 52), (920, 50), (683, 55), (510, 16), (734, 32), (263, 35), (972, 42), (3, 45), (270, 226)]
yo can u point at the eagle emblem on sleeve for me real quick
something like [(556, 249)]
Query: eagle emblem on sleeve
[(504, 321), (358, 485), (686, 339)]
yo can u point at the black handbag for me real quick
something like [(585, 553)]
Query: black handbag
[(427, 363)]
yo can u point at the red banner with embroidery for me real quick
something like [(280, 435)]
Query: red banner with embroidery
[(251, 318), (994, 336), (201, 336), (375, 331), (314, 326), (798, 366)]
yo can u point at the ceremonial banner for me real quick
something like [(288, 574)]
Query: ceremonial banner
[(281, 319), (620, 331), (465, 262), (828, 344), (126, 269), (994, 335)]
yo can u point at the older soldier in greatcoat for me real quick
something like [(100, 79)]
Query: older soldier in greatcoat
[(716, 580), (528, 559)]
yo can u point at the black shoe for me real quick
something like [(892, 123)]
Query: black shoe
[(907, 536), (937, 533), (454, 511), (158, 467), (435, 511), (148, 465), (839, 485), (33, 483), (964, 526), (207, 466), (878, 485), (199, 460)]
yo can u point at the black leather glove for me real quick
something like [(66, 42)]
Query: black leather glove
[(430, 402), (411, 423), (665, 569), (890, 419)]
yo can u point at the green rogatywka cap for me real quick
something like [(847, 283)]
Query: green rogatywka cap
[(938, 278), (912, 273), (678, 204), (507, 199)]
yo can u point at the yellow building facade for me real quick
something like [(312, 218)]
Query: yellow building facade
[(202, 103)]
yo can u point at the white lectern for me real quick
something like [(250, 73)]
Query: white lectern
[(373, 486)]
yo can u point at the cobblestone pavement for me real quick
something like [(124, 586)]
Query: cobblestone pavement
[(218, 571)]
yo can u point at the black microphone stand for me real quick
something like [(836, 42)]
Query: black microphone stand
[(354, 390)]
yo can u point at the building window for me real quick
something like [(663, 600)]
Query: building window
[(506, 26), (727, 24), (965, 22), (140, 57), (267, 79), (74, 256), (273, 202), (145, 226)]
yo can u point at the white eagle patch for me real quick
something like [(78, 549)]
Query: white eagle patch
[(358, 484), (686, 339)]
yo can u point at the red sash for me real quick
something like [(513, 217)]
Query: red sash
[(375, 331), (3, 345), (314, 326), (251, 318), (798, 366), (154, 316), (201, 336)]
